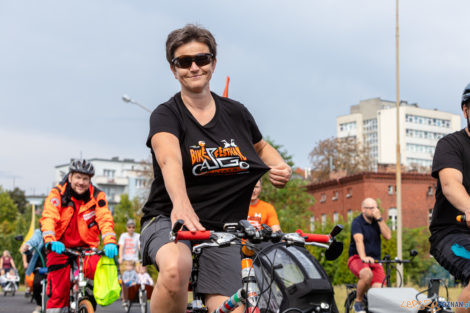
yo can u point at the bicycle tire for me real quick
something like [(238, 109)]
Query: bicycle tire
[(334, 308), (143, 301), (349, 303), (85, 306)]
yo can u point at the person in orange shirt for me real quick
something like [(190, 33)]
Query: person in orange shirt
[(261, 212)]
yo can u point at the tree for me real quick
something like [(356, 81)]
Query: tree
[(19, 197), (292, 202), (11, 224), (126, 209), (339, 154), (8, 212)]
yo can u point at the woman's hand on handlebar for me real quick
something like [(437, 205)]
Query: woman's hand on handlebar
[(187, 214), (368, 259)]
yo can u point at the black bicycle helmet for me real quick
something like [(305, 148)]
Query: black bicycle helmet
[(82, 166), (465, 95)]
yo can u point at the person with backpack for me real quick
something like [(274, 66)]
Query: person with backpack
[(75, 214)]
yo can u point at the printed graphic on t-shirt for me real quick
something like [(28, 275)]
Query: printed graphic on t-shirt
[(130, 248), (217, 160)]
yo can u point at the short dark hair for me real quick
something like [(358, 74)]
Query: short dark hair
[(189, 33)]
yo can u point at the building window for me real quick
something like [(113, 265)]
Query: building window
[(392, 215), (347, 126), (335, 217), (390, 189), (140, 182), (430, 191), (323, 220), (312, 223), (349, 193), (323, 198), (335, 196), (430, 216), (350, 215), (109, 173)]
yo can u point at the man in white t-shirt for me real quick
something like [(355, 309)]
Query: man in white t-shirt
[(129, 245)]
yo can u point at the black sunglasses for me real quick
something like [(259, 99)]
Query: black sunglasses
[(186, 61)]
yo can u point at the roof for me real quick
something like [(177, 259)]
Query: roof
[(368, 175)]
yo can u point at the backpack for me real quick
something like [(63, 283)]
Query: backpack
[(106, 288), (290, 277)]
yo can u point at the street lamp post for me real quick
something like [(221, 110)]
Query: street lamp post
[(127, 99)]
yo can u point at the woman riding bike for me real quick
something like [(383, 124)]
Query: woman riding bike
[(207, 153)]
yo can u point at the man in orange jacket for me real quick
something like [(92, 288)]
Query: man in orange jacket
[(75, 214)]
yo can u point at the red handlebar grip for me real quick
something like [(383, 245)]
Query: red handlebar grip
[(197, 235), (314, 237)]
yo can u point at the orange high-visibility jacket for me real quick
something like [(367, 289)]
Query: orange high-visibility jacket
[(94, 217)]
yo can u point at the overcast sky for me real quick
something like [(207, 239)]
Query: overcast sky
[(296, 65)]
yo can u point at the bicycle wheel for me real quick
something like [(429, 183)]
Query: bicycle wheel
[(143, 301), (349, 303), (85, 306)]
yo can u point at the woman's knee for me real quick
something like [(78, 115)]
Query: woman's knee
[(174, 268)]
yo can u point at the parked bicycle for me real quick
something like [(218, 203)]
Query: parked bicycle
[(248, 237)]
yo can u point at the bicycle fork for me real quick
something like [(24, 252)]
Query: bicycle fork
[(248, 294)]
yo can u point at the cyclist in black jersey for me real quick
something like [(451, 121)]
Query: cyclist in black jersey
[(451, 167), (208, 154)]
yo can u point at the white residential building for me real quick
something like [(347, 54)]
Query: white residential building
[(373, 121), (116, 177)]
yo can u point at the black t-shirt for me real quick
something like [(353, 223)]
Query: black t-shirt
[(220, 164), (452, 151), (371, 235)]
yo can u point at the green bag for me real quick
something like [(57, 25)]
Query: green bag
[(106, 288)]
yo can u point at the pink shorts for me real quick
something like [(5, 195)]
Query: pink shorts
[(355, 265)]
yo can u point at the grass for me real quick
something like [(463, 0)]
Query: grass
[(340, 294)]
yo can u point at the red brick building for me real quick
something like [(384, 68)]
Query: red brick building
[(343, 197)]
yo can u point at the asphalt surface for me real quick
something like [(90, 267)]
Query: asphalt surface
[(20, 304)]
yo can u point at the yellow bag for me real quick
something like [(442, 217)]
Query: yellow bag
[(106, 288)]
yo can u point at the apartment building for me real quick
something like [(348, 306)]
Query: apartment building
[(374, 122)]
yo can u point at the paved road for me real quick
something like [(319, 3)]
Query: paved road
[(20, 304)]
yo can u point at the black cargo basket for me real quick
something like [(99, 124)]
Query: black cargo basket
[(304, 283)]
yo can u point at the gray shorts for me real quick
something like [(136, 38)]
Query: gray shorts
[(219, 268)]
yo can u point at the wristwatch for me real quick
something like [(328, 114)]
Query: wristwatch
[(380, 219)]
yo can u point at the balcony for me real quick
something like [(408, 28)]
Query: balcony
[(117, 181)]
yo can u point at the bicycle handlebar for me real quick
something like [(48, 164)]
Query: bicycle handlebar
[(244, 230), (80, 251), (314, 237), (398, 261), (461, 219)]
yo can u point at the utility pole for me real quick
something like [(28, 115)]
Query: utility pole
[(398, 165)]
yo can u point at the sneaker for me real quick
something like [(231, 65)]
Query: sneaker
[(359, 307), (37, 309)]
